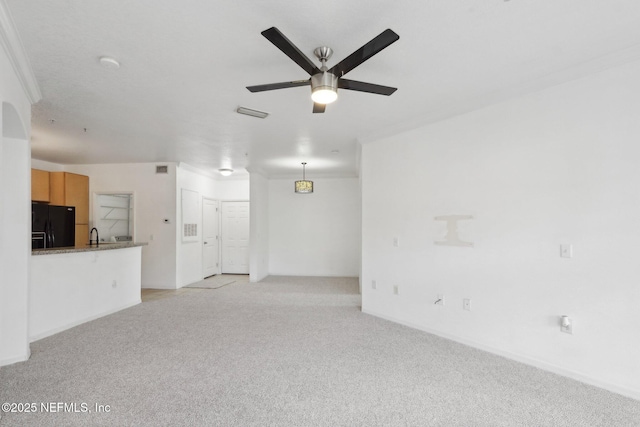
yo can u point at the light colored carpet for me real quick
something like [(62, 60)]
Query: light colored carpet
[(287, 352), (220, 280)]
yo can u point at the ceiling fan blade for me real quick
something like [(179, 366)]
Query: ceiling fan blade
[(365, 87), (284, 44), (378, 43), (319, 108), (283, 85)]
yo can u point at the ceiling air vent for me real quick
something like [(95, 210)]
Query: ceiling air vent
[(162, 169)]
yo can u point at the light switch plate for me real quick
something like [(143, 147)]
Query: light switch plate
[(566, 251), (566, 325)]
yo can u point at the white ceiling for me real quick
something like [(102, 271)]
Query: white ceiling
[(185, 65)]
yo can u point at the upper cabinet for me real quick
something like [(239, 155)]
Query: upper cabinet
[(64, 189), (70, 189), (39, 185)]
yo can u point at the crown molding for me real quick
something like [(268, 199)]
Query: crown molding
[(10, 40)]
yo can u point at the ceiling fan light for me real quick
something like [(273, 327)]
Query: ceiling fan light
[(324, 95), (324, 88)]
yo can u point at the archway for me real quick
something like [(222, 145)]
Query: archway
[(12, 126), (15, 230)]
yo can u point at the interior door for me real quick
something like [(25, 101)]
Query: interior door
[(235, 237), (210, 242)]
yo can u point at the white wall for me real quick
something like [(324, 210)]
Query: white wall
[(15, 195), (15, 239), (154, 201), (69, 289), (259, 231), (232, 189), (555, 167), (315, 234), (46, 166), (189, 254)]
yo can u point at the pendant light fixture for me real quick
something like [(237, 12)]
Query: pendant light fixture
[(304, 186)]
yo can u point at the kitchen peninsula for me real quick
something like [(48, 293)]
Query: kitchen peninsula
[(74, 285)]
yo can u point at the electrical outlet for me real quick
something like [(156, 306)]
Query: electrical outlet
[(114, 284), (396, 242), (439, 300), (396, 290), (466, 304), (374, 285)]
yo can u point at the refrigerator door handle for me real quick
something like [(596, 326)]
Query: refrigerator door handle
[(49, 233)]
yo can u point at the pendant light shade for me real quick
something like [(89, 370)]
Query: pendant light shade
[(304, 186)]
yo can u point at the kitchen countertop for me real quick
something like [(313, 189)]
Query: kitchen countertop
[(104, 246)]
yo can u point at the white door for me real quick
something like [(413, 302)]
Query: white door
[(210, 237), (235, 237)]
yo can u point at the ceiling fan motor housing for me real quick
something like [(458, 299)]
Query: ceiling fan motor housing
[(324, 81), (324, 85)]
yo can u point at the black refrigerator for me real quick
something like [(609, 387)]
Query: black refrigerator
[(52, 226)]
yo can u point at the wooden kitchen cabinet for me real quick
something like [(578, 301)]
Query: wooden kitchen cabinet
[(39, 185), (70, 189), (82, 234)]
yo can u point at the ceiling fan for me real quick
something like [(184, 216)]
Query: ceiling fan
[(325, 81)]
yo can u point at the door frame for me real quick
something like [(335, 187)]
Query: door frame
[(222, 237), (218, 235)]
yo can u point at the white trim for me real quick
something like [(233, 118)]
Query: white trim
[(12, 44), (16, 359), (81, 321), (624, 391), (218, 239)]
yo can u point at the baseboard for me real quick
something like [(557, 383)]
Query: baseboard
[(333, 276), (16, 359), (255, 279), (624, 391), (155, 286), (81, 321)]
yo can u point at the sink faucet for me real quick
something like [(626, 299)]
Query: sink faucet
[(97, 237)]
